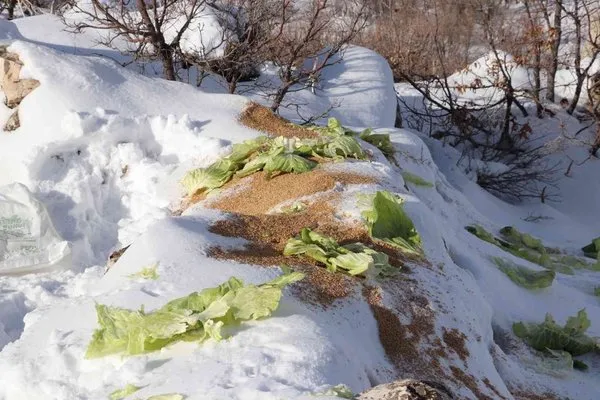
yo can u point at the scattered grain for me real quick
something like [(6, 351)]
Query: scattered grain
[(263, 119), (456, 340)]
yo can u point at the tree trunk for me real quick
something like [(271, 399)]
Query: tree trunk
[(11, 9), (551, 79), (506, 142), (279, 95), (232, 85), (536, 81), (576, 96), (577, 62), (166, 55)]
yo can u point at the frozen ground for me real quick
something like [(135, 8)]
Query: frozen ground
[(104, 147)]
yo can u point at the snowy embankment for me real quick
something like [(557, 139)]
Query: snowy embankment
[(104, 148)]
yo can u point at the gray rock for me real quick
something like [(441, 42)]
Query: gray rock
[(407, 389)]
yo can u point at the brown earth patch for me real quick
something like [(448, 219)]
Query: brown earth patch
[(262, 194), (263, 119), (456, 340)]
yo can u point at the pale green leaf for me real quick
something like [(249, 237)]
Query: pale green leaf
[(149, 273), (388, 221), (523, 276), (212, 177), (122, 393), (288, 163), (168, 396), (415, 179), (198, 316), (549, 335)]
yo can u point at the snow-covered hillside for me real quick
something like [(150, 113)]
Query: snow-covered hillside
[(104, 149)]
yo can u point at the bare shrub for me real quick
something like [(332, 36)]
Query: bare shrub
[(422, 37), (153, 28)]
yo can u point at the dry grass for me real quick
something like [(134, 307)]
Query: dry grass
[(263, 119)]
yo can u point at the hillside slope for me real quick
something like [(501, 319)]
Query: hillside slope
[(104, 148)]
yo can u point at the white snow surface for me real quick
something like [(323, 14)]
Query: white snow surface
[(357, 89), (104, 147)]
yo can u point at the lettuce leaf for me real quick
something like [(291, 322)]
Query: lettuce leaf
[(343, 146), (198, 316), (550, 335), (149, 273), (212, 177), (354, 259), (533, 250), (122, 393), (592, 250), (288, 163), (482, 234), (241, 151), (415, 179), (512, 235), (388, 221), (381, 141), (525, 277), (168, 396)]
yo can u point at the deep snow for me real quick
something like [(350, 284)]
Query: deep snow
[(104, 147)]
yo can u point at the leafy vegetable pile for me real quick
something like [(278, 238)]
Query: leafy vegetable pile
[(592, 250), (196, 317), (550, 336), (525, 277), (380, 140), (387, 221), (531, 249), (354, 259), (272, 155)]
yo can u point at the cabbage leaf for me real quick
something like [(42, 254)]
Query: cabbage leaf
[(550, 335), (354, 259), (523, 276), (122, 393), (387, 221), (196, 317), (415, 179)]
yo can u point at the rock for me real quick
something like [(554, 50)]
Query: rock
[(408, 389), (13, 122), (14, 88), (114, 257)]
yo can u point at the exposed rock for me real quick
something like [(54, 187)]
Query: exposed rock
[(14, 88), (13, 122), (408, 389), (114, 257)]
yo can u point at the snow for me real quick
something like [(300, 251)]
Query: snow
[(103, 148), (299, 350), (357, 90)]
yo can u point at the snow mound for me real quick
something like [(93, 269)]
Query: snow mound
[(358, 90)]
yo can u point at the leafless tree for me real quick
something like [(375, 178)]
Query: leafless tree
[(154, 28), (255, 24), (310, 37)]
